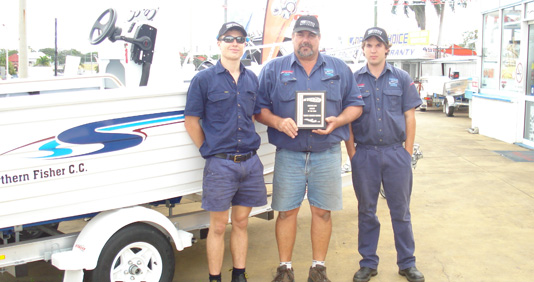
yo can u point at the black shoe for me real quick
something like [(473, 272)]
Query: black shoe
[(364, 274), (412, 274), (240, 278)]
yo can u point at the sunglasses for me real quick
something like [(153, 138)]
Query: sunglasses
[(230, 39)]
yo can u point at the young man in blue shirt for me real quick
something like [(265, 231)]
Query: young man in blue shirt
[(224, 98), (306, 161), (380, 148)]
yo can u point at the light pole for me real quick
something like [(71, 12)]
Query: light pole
[(23, 44), (7, 56)]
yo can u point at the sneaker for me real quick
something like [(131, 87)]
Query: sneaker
[(284, 275), (240, 278), (318, 274)]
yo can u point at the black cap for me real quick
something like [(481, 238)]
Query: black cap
[(231, 25), (379, 33), (309, 23)]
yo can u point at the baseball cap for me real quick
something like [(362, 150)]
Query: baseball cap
[(231, 25), (309, 23), (380, 33)]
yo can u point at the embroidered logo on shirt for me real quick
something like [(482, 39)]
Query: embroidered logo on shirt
[(361, 85), (393, 82), (287, 72), (329, 72)]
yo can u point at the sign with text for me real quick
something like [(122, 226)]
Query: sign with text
[(310, 109)]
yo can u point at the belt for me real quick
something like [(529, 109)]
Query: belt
[(236, 158)]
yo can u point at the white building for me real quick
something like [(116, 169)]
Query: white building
[(504, 107)]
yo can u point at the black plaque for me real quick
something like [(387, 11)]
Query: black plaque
[(310, 112)]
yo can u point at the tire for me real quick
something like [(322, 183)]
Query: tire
[(137, 252), (448, 110)]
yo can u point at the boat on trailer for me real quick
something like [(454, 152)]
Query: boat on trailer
[(105, 147)]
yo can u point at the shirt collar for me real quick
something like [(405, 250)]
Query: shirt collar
[(219, 68), (320, 60), (365, 69)]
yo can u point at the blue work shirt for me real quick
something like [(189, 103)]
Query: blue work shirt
[(386, 99), (225, 109), (283, 76)]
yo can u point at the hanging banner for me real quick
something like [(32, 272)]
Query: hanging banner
[(278, 17)]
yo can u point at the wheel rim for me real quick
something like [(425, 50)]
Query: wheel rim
[(137, 261)]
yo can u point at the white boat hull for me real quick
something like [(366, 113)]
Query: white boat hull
[(44, 178)]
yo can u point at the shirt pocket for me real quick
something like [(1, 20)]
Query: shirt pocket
[(366, 97), (219, 106), (393, 100), (287, 88), (334, 104), (249, 102), (332, 85)]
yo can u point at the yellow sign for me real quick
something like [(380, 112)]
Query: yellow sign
[(421, 37)]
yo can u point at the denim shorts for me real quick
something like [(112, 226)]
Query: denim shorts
[(319, 172), (227, 183)]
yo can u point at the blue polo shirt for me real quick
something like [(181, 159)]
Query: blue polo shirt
[(225, 109), (386, 99), (283, 76)]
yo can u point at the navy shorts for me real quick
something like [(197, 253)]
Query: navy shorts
[(227, 183)]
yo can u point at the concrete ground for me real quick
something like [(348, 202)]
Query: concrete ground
[(472, 214)]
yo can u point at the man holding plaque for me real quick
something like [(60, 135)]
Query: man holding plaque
[(307, 100), (384, 137)]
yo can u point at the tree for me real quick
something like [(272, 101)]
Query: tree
[(61, 55), (470, 38), (43, 61), (11, 68), (418, 7)]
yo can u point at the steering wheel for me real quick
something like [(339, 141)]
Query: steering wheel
[(104, 30)]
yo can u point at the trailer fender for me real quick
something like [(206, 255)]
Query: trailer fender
[(96, 233)]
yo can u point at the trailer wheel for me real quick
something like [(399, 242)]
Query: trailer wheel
[(137, 252), (448, 110)]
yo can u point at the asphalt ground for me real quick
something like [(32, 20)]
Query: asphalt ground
[(472, 215)]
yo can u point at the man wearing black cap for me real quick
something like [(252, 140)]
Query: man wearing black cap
[(224, 97), (380, 149), (307, 161)]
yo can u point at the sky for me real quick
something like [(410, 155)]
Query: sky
[(198, 21)]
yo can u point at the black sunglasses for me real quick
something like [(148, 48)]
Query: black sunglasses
[(230, 39)]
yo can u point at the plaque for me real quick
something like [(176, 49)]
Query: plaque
[(310, 112)]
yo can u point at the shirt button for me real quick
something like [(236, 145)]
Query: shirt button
[(380, 140), (238, 116), (239, 129), (379, 119), (378, 109), (239, 105), (240, 140)]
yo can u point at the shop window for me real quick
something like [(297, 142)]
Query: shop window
[(490, 51), (511, 39)]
